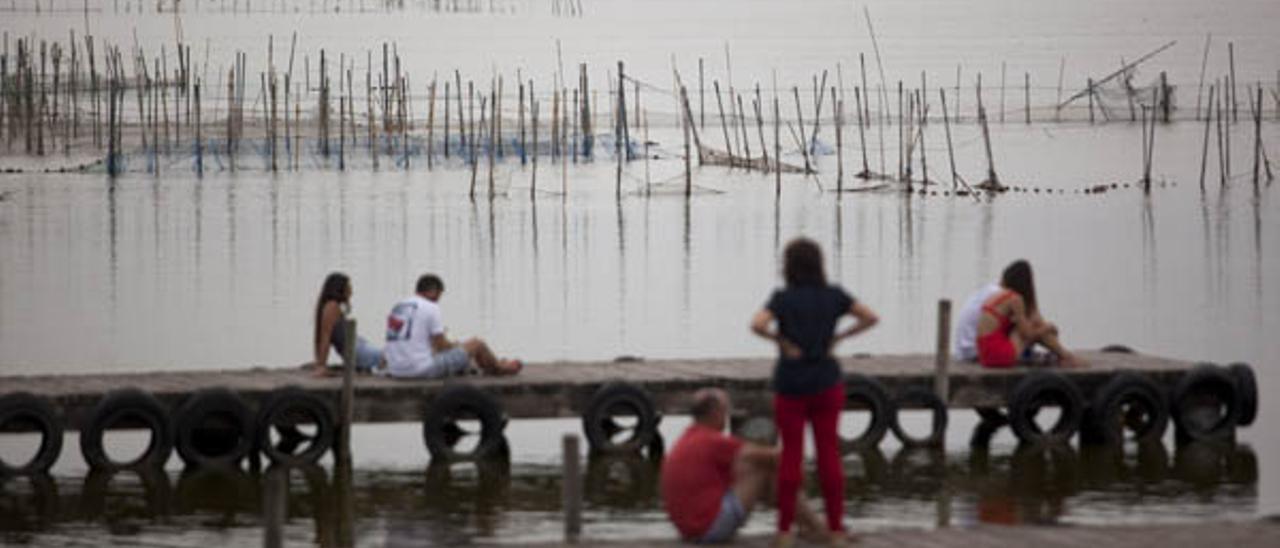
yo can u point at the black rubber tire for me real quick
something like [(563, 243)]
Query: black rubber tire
[(1217, 383), (223, 447), (294, 402), (1247, 389), (1030, 393), (1107, 417), (24, 407), (440, 431), (127, 403), (920, 396), (1117, 349), (868, 394), (596, 420)]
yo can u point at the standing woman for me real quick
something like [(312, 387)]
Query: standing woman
[(331, 330), (807, 381)]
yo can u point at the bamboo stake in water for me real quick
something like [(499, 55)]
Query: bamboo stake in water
[(1204, 153), (804, 150), (838, 107), (862, 136), (728, 148), (431, 125), (777, 147), (1026, 87), (533, 108), (951, 155)]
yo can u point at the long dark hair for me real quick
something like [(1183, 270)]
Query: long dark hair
[(1017, 277), (802, 264), (334, 289)]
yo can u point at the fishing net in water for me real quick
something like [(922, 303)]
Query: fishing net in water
[(1126, 95)]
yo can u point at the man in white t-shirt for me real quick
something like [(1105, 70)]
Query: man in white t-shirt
[(966, 344), (416, 344)]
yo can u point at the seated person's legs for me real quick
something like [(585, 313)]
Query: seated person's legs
[(486, 361)]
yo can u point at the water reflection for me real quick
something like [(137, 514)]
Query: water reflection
[(459, 503)]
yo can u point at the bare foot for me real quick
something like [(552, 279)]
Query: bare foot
[(320, 372), (1070, 360), (841, 539), (507, 367), (783, 540)]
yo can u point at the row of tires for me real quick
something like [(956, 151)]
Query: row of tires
[(216, 427), (213, 427)]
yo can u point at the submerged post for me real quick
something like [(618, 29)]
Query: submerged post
[(942, 360), (571, 489), (275, 506)]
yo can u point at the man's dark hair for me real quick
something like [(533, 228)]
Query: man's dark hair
[(705, 403), (429, 282)]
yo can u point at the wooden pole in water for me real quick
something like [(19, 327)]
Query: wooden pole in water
[(571, 492), (346, 404), (520, 122), (838, 107), (804, 149), (647, 188), (764, 148), (1226, 131), (1002, 88), (275, 507), (1257, 137), (1164, 96), (702, 99), (493, 135), (862, 137), (924, 160), (1204, 153), (533, 113), (1204, 64), (1090, 101), (688, 154), (1223, 166), (724, 126), (199, 138), (951, 155), (901, 151), (446, 118), (746, 146), (1057, 109), (1026, 87), (1231, 57), (431, 124), (472, 148), (777, 147), (942, 355)]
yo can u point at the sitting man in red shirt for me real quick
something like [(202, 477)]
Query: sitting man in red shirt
[(711, 481)]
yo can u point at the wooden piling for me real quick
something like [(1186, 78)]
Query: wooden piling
[(688, 154), (777, 146), (1090, 92), (1257, 137), (571, 490), (1204, 152), (1223, 162), (804, 149), (199, 137), (446, 118), (533, 113), (1231, 59), (347, 399), (275, 507), (702, 100), (942, 355), (862, 136), (724, 126), (951, 155), (1026, 90), (431, 124), (837, 108)]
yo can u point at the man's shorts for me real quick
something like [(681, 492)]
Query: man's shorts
[(450, 362), (731, 518)]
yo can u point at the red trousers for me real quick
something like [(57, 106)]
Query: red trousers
[(822, 410)]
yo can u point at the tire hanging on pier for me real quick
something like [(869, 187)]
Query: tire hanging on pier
[(930, 401), (1247, 389), (1035, 391), (23, 409), (1128, 402), (282, 411), (1206, 404), (129, 407), (618, 399), (864, 392), (214, 428), (441, 432)]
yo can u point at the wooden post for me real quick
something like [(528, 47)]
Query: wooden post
[(838, 107), (1002, 88), (804, 149), (533, 113), (275, 507), (1057, 109), (702, 99), (346, 404), (942, 359), (1204, 64), (1026, 87), (1223, 166), (777, 147), (1204, 153), (1090, 89), (1164, 96), (951, 155), (431, 125), (688, 154), (446, 118), (199, 137), (520, 120), (571, 488), (1231, 58), (862, 136), (1257, 137), (724, 126)]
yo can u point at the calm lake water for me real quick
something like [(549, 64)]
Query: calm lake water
[(179, 272)]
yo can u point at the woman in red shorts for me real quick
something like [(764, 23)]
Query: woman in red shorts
[(807, 381), (1011, 322)]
